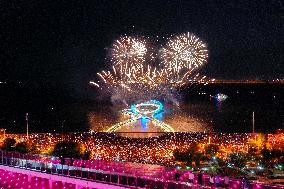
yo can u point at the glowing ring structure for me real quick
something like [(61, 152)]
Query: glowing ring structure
[(151, 107), (145, 109)]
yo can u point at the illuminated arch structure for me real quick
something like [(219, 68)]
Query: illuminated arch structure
[(147, 110)]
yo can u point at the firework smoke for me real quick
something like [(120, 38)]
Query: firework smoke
[(133, 77)]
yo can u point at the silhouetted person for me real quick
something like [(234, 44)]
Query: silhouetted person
[(199, 178), (62, 161), (245, 183), (177, 175), (71, 161)]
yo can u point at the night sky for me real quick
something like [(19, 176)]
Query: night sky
[(50, 49), (67, 41)]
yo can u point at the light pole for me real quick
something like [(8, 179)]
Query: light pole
[(27, 122), (62, 125), (253, 122)]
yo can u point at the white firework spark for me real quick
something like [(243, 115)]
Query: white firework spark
[(133, 77), (128, 53), (184, 51)]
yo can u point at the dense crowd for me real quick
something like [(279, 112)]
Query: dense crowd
[(153, 150)]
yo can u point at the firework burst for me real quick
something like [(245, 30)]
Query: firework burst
[(184, 51), (128, 53), (133, 76)]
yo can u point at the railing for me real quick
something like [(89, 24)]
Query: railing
[(52, 165), (45, 164)]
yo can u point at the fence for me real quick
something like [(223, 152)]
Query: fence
[(110, 173)]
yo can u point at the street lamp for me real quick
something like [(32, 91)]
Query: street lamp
[(62, 125), (27, 122)]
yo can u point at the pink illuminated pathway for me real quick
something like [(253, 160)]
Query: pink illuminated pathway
[(79, 184)]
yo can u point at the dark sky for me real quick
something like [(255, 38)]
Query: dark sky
[(65, 41), (54, 47)]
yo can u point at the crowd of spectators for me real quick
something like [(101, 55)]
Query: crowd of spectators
[(152, 150)]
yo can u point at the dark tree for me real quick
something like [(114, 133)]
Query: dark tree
[(188, 156), (197, 158), (9, 144), (67, 149), (211, 149), (180, 156), (86, 155), (22, 147), (266, 157), (34, 149), (238, 159), (276, 153)]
